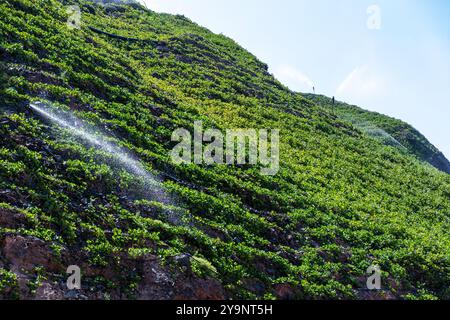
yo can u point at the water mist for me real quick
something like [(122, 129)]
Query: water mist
[(153, 187)]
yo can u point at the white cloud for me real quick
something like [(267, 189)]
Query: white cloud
[(294, 78)]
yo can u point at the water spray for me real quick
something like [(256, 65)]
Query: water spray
[(152, 185)]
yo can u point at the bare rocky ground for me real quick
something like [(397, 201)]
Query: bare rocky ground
[(22, 255)]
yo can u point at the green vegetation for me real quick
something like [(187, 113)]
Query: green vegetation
[(341, 201), (8, 284), (388, 130)]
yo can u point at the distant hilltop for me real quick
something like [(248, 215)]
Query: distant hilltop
[(115, 1), (386, 129)]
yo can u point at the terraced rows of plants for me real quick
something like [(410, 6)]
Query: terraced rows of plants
[(340, 202), (387, 130)]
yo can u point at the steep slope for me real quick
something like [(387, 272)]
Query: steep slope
[(340, 202), (388, 130)]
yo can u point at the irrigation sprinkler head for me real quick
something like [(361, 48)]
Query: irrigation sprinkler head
[(36, 104)]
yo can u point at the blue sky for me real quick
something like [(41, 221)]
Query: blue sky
[(401, 69)]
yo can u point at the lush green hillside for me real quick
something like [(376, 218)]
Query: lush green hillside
[(340, 203), (386, 129)]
